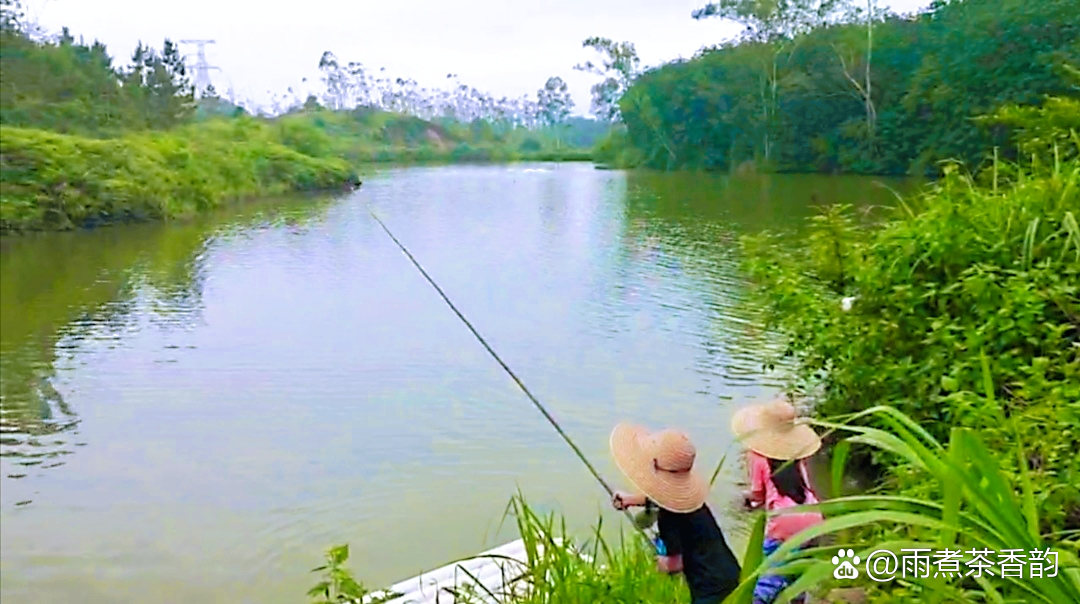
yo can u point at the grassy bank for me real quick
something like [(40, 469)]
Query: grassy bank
[(976, 266), (965, 316), (57, 181), (52, 181), (92, 142), (366, 135)]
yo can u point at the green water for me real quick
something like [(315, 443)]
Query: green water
[(193, 412)]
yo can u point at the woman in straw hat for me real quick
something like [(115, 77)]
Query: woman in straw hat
[(777, 447), (660, 465)]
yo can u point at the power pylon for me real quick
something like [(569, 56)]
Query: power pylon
[(202, 68)]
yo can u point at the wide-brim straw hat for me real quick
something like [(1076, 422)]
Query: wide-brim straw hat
[(775, 431), (660, 464)]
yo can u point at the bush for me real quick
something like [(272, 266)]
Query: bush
[(529, 145), (955, 273), (57, 181), (615, 149)]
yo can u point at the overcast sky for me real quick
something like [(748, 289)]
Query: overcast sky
[(501, 46)]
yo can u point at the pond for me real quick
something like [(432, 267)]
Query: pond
[(194, 411)]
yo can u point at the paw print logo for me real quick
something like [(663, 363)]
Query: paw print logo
[(845, 561)]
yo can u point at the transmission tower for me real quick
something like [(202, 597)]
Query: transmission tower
[(202, 68)]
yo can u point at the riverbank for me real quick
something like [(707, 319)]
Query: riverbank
[(97, 142), (960, 309), (52, 181)]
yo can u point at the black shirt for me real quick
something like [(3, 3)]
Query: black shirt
[(711, 570)]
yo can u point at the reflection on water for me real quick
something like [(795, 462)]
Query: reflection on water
[(63, 293), (192, 412)]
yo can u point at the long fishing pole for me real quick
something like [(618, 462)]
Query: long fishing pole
[(495, 355)]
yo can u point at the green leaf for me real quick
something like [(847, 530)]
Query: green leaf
[(839, 462), (339, 554)]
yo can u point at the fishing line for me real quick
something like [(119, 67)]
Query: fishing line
[(499, 360)]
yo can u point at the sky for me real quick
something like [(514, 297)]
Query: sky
[(503, 47)]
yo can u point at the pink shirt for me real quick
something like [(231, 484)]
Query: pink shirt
[(763, 490)]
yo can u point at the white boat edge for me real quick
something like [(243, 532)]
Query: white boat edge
[(492, 571)]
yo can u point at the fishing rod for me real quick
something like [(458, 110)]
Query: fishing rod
[(510, 372)]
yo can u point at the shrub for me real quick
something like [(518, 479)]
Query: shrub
[(52, 181), (956, 272)]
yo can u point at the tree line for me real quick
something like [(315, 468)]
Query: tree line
[(66, 85), (351, 85), (827, 85)]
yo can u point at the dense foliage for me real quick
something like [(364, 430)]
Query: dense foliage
[(71, 87), (886, 94), (56, 181), (971, 267)]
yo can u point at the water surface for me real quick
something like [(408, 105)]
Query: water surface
[(195, 411)]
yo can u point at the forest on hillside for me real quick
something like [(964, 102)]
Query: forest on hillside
[(830, 86)]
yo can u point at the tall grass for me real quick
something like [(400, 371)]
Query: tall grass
[(976, 506), (558, 568), (58, 181), (561, 568)]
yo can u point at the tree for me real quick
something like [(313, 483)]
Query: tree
[(865, 88), (312, 103), (768, 20), (10, 15), (554, 103), (929, 76), (778, 24), (618, 68), (157, 85), (338, 82)]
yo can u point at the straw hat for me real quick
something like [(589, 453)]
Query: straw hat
[(773, 430), (660, 464)]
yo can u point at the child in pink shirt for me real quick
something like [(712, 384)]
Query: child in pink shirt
[(778, 446), (778, 487)]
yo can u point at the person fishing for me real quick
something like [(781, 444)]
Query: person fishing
[(660, 466), (778, 445)]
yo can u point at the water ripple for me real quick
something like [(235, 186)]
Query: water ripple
[(211, 404)]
